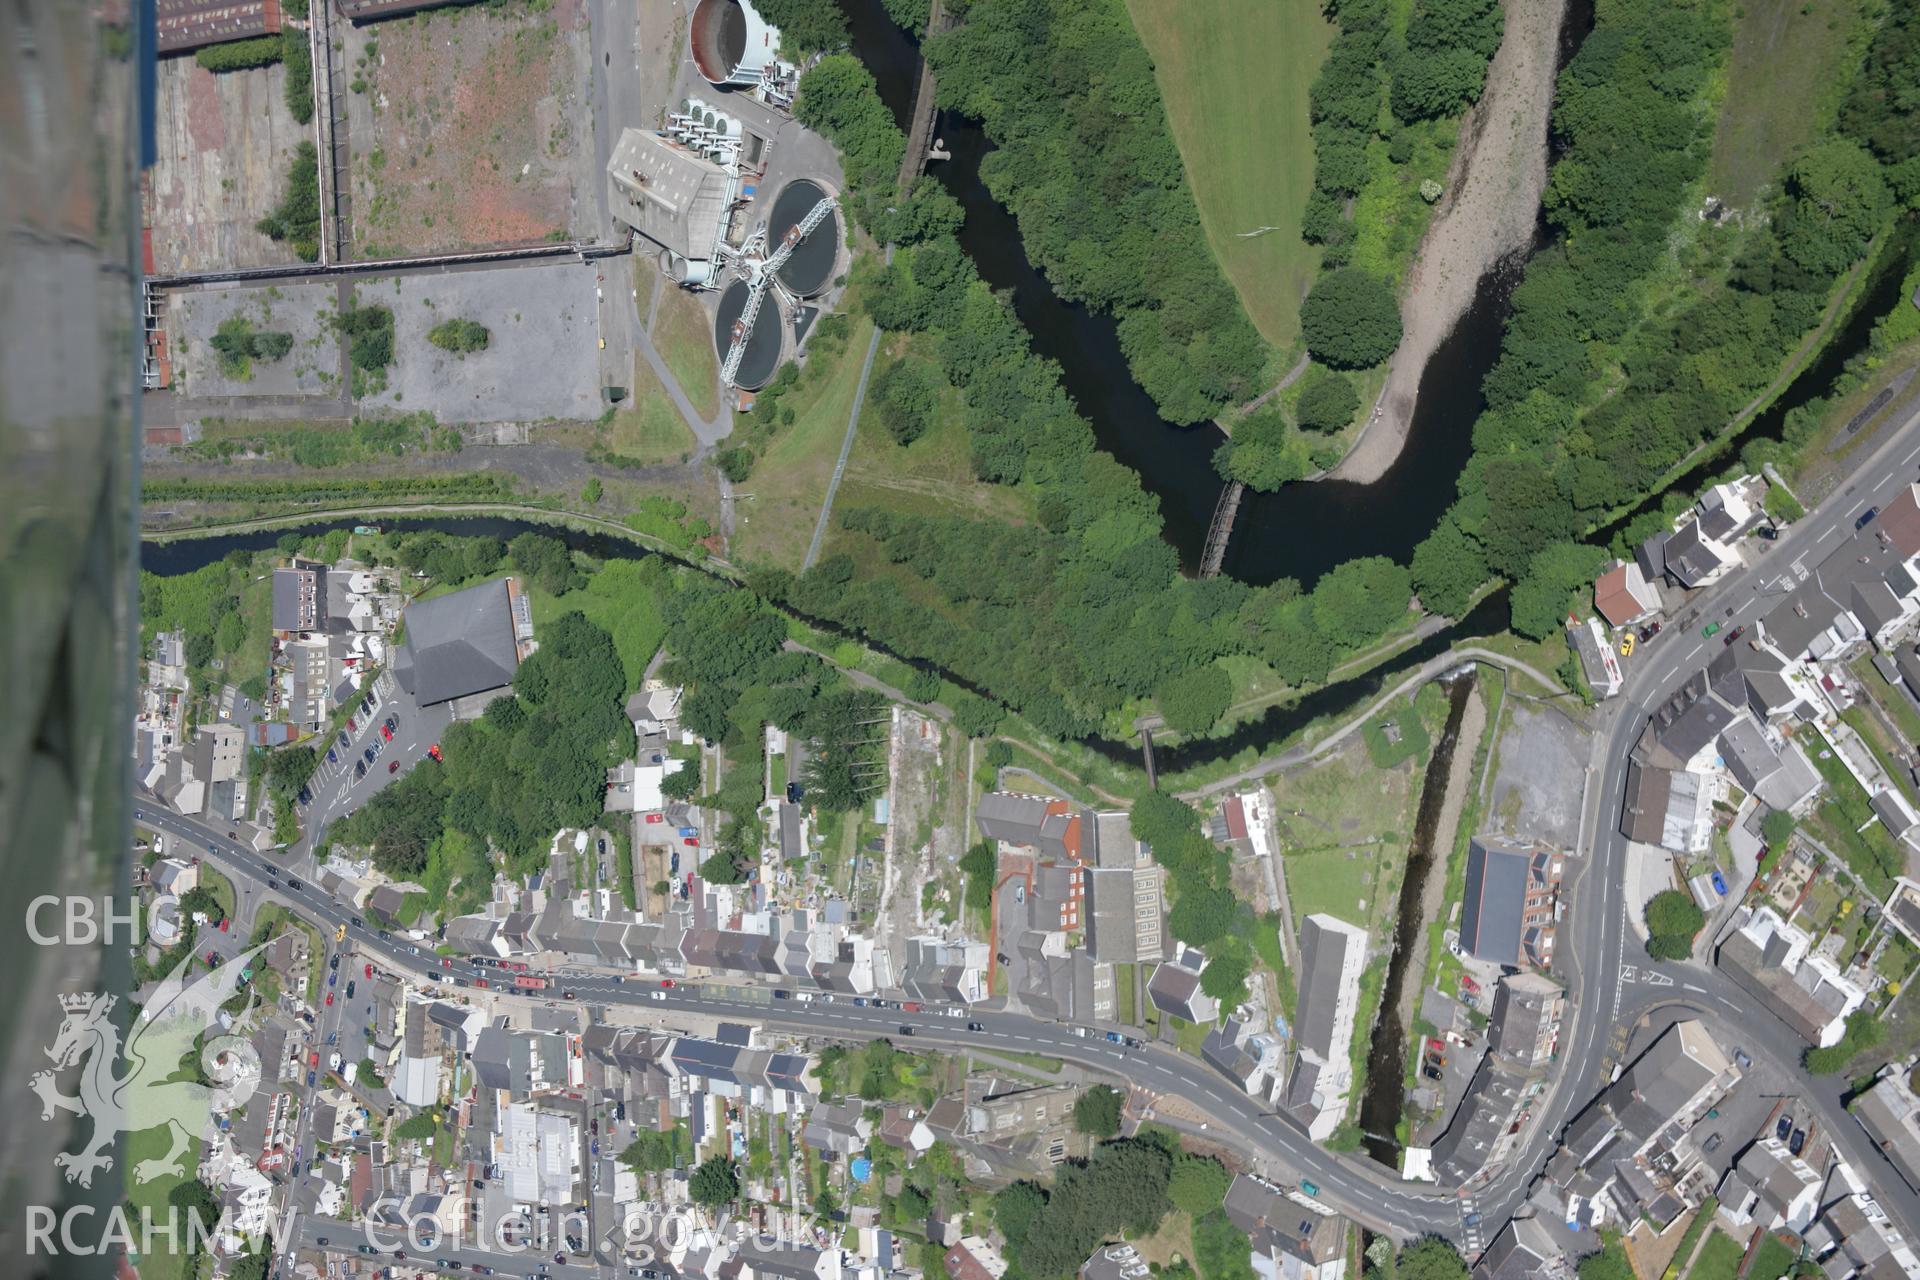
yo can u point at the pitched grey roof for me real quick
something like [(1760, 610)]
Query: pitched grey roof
[(1688, 559), (1875, 604), (1643, 813), (1748, 755), (1323, 953), (458, 644), (1496, 902)]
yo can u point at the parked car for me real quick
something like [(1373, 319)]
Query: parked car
[(781, 993), (655, 819), (1114, 1037), (1784, 1128), (1866, 517), (1734, 634), (344, 739), (329, 999), (689, 840), (368, 755), (1430, 1072), (393, 766), (333, 962), (333, 979), (1711, 629), (369, 971), (393, 722), (1712, 1144), (689, 831), (386, 733), (359, 769), (1719, 884), (1797, 1141), (333, 756)]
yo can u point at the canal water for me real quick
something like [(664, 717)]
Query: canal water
[(1385, 1098), (1282, 534)]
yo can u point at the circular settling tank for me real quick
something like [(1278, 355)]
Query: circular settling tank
[(809, 266), (763, 344)]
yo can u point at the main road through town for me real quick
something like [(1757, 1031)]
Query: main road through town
[(1597, 950)]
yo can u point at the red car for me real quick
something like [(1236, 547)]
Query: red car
[(479, 982), (313, 1059), (446, 962), (515, 966), (434, 751), (369, 972), (666, 982), (655, 817), (386, 733), (329, 997), (353, 726), (691, 841), (1733, 635), (393, 766)]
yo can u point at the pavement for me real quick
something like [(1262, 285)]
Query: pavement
[(337, 790)]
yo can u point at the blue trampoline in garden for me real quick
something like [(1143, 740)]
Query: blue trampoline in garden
[(862, 1169)]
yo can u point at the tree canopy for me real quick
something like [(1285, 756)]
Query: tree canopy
[(1351, 319), (1673, 919), (1097, 1112), (715, 1182)]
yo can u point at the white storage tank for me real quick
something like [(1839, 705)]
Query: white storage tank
[(732, 43)]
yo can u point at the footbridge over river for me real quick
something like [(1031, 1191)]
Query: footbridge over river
[(920, 140)]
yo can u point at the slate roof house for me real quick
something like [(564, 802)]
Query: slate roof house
[(1630, 1150), (1320, 1077), (1175, 990), (459, 645), (1512, 897), (1775, 962), (1293, 1237)]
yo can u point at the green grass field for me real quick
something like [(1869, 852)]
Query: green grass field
[(1771, 1259), (1333, 883), (647, 427), (1234, 75), (683, 335), (1781, 89), (790, 481), (934, 474), (1718, 1259)]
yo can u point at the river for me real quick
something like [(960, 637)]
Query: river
[(1387, 1054), (1285, 534)]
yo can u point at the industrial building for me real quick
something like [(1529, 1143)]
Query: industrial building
[(181, 26), (675, 198)]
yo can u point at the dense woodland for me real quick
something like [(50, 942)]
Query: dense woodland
[(1067, 620), (1086, 162), (1597, 393)]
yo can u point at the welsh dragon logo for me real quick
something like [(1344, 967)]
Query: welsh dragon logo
[(158, 1086)]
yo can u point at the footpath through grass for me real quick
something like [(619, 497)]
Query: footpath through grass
[(1234, 76)]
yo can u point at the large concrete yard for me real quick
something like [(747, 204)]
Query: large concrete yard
[(312, 368), (544, 360), (223, 144)]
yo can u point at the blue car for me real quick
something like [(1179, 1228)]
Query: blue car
[(333, 757), (310, 1079), (689, 831), (1719, 884)]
